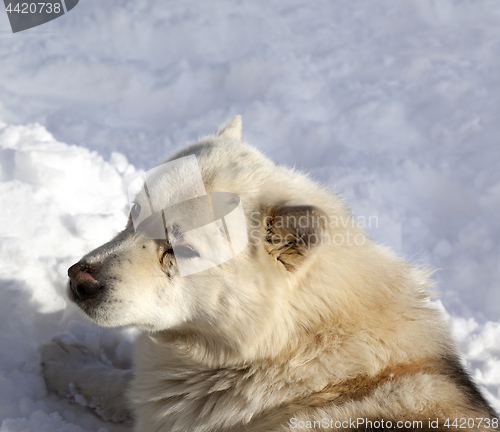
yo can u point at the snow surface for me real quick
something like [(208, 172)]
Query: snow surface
[(395, 105)]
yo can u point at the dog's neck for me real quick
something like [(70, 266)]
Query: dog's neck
[(225, 350)]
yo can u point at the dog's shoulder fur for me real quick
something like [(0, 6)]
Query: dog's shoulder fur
[(309, 323)]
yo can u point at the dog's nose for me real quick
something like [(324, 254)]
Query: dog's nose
[(83, 282)]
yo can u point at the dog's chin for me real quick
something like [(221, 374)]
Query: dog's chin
[(92, 309)]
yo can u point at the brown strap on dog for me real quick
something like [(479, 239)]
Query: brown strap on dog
[(360, 386)]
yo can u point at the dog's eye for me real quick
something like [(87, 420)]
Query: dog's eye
[(185, 252), (135, 211)]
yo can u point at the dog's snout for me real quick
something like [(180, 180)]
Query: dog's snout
[(83, 281)]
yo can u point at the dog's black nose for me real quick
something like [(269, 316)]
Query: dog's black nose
[(83, 281)]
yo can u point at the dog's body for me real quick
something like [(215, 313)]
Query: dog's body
[(291, 334)]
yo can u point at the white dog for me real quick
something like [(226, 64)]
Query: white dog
[(285, 319)]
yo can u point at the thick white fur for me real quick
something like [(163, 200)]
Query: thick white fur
[(249, 345)]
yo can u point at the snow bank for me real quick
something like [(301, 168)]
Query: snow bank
[(58, 201)]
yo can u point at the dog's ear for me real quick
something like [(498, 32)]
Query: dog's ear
[(232, 129), (293, 232)]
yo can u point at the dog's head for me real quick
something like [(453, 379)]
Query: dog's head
[(213, 243)]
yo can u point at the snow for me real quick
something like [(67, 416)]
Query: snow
[(395, 105)]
